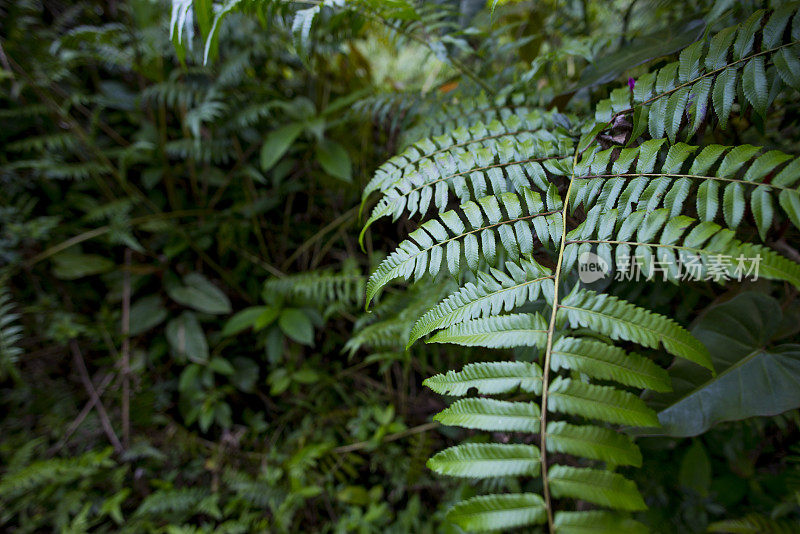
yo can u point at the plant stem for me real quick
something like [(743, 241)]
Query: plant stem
[(549, 350)]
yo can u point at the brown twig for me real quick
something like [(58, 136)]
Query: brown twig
[(104, 383), (98, 404), (126, 347), (390, 437)]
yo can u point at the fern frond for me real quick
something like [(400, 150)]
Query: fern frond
[(506, 154), (10, 335), (321, 287), (593, 442), (597, 522), (716, 69), (491, 414), (754, 524), (603, 403), (451, 114), (493, 512), (472, 232), (480, 460), (608, 362), (708, 251), (488, 378), (599, 487), (172, 500), (725, 181), (618, 319), (493, 293), (505, 331)]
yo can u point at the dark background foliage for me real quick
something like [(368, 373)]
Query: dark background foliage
[(183, 346)]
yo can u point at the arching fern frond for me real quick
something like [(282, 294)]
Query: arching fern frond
[(724, 180), (754, 59), (655, 206), (471, 232), (513, 155)]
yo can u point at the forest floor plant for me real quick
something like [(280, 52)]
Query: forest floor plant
[(521, 196)]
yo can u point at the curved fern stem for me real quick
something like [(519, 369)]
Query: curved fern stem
[(549, 349)]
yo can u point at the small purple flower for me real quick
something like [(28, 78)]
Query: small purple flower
[(631, 83)]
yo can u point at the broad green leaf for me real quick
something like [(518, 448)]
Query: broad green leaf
[(335, 160), (277, 143), (186, 338), (71, 265), (755, 376), (243, 320), (199, 293), (146, 313), (296, 325)]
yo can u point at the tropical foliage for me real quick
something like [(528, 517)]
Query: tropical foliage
[(200, 198)]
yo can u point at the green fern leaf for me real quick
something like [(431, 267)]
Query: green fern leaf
[(618, 319), (505, 331), (491, 295), (593, 442), (599, 487), (596, 522), (599, 402), (607, 362), (488, 378), (493, 512), (483, 460), (490, 414)]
